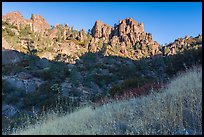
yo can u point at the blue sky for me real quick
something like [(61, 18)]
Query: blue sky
[(165, 20)]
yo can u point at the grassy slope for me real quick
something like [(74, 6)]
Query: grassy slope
[(177, 110)]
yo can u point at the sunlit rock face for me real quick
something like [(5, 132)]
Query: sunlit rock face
[(125, 35), (36, 23)]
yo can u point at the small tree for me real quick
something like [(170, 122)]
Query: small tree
[(166, 50), (89, 31), (32, 17)]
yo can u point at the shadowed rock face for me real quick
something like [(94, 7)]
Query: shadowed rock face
[(11, 57), (26, 83)]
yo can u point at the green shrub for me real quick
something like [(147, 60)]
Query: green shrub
[(75, 77), (56, 72), (102, 80), (166, 50), (25, 31), (183, 61), (128, 84)]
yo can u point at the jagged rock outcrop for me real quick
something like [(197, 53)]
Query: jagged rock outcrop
[(126, 39), (126, 34), (82, 35), (52, 34), (182, 44), (36, 23), (128, 26), (100, 30), (16, 19)]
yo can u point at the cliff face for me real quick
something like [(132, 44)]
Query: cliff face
[(126, 39), (126, 34), (37, 23), (15, 18), (101, 30)]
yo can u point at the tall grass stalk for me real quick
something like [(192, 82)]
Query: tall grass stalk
[(175, 110)]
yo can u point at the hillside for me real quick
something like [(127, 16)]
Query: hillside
[(62, 43), (57, 68), (175, 111)]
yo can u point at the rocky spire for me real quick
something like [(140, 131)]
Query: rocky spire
[(101, 30), (37, 22)]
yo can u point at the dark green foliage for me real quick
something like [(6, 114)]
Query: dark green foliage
[(11, 95), (56, 72), (157, 65), (11, 69), (142, 66), (98, 97), (128, 84), (31, 50), (183, 61), (102, 80), (166, 50), (32, 17), (8, 25), (75, 76), (31, 60), (89, 59), (62, 58), (9, 32), (25, 31)]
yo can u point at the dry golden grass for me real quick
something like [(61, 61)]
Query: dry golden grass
[(175, 110)]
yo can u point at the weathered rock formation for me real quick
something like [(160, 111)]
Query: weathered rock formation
[(16, 19), (101, 30), (126, 34), (182, 44), (36, 23), (126, 39)]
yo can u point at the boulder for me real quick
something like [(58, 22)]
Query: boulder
[(8, 110), (66, 87), (42, 63), (28, 85), (24, 75), (11, 57)]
